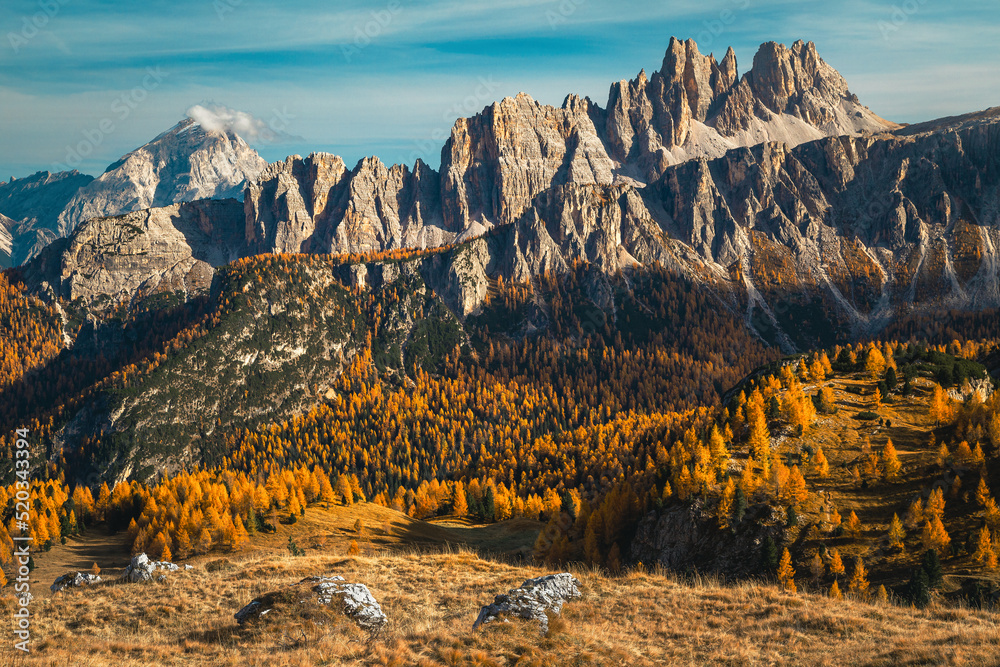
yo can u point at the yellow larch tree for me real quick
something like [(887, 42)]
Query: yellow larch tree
[(853, 525), (934, 536), (835, 592), (934, 507), (897, 534), (836, 563), (786, 573), (985, 555), (890, 460), (858, 585), (820, 463)]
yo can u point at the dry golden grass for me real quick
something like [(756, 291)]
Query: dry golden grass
[(432, 593), (432, 600)]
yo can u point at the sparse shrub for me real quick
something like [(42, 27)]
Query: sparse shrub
[(294, 549)]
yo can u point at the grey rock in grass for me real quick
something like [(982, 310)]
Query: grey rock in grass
[(532, 599)]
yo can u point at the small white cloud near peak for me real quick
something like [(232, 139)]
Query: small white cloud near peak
[(218, 118)]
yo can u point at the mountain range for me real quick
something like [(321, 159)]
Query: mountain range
[(797, 216), (778, 190)]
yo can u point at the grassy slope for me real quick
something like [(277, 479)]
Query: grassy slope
[(840, 436), (432, 595), (432, 591)]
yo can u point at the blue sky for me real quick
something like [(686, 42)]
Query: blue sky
[(389, 77)]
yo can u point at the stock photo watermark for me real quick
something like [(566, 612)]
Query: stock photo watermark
[(900, 16), (22, 542), (223, 7), (275, 128), (712, 29), (368, 32), (473, 103), (32, 25), (121, 108), (561, 14)]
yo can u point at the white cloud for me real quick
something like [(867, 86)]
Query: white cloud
[(218, 118)]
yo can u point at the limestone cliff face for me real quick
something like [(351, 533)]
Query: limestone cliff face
[(694, 107), (861, 227), (496, 163), (183, 164), (6, 241), (170, 249), (317, 205)]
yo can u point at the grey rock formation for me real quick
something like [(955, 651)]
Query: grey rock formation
[(732, 182), (74, 580), (317, 205), (171, 249), (33, 204), (694, 107), (533, 600), (141, 569), (496, 163), (354, 600), (181, 165)]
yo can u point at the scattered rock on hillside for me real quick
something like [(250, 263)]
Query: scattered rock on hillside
[(74, 580), (532, 599), (355, 600), (141, 568)]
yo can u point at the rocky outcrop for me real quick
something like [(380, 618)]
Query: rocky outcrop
[(813, 236), (695, 108), (184, 164), (497, 162), (687, 538), (172, 249), (870, 224), (141, 569), (794, 84), (74, 580), (317, 205), (6, 241), (354, 600), (533, 600)]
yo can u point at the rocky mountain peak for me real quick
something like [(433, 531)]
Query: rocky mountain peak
[(780, 74), (185, 163), (728, 69)]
